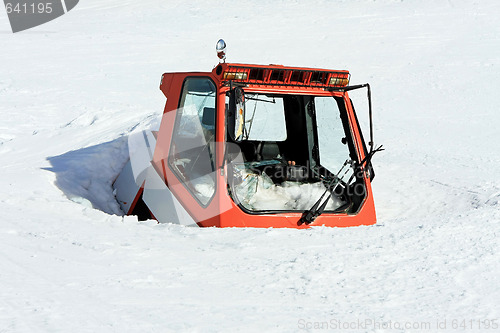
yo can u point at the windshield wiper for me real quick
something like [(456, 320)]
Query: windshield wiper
[(248, 97), (316, 210)]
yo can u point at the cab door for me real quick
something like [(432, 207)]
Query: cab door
[(186, 151)]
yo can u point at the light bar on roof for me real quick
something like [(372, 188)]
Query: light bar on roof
[(283, 76)]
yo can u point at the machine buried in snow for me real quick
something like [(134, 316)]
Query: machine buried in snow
[(253, 146)]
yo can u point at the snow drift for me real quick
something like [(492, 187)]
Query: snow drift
[(72, 90)]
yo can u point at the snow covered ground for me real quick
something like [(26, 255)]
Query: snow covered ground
[(73, 89)]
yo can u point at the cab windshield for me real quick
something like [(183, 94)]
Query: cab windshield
[(292, 149)]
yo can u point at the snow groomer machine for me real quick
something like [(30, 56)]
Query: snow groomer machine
[(253, 146)]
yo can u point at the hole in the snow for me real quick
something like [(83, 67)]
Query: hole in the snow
[(86, 175)]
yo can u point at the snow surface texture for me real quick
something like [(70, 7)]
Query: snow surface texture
[(73, 89)]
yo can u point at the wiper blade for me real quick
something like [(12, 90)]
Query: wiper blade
[(247, 97), (316, 210), (310, 215)]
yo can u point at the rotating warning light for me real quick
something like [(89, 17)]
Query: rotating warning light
[(221, 50)]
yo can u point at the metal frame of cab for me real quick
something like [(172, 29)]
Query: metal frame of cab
[(221, 211)]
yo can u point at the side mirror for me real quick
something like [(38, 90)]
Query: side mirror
[(236, 114)]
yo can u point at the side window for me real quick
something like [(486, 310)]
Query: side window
[(332, 150), (192, 153)]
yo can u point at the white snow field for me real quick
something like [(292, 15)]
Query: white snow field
[(72, 90)]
